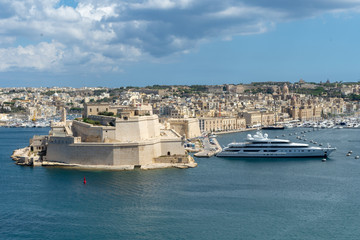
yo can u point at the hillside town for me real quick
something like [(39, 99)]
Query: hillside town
[(217, 108)]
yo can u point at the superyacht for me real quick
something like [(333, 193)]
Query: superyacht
[(259, 145)]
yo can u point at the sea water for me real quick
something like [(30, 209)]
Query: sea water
[(220, 199)]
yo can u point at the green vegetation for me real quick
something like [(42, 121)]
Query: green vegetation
[(106, 113), (87, 120), (116, 91), (76, 110), (199, 88), (99, 92), (158, 87), (103, 100), (48, 93), (8, 103), (131, 87), (354, 97), (318, 91), (13, 110), (256, 90)]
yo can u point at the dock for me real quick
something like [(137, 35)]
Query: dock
[(211, 147)]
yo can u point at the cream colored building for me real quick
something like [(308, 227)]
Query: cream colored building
[(221, 124), (258, 118)]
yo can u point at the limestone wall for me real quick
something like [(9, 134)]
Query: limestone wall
[(91, 133), (188, 127), (116, 154), (172, 147), (80, 154), (62, 149), (137, 128), (126, 155), (149, 151)]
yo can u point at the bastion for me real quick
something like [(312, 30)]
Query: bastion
[(126, 138)]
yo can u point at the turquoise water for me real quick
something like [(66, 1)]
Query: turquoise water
[(220, 199)]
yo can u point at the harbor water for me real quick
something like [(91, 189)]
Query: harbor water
[(220, 199)]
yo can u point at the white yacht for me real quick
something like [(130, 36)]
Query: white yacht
[(259, 145)]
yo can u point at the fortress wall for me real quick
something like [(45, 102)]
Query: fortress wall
[(152, 127), (87, 132), (126, 155), (80, 154), (109, 133), (193, 128), (148, 127), (172, 146), (62, 149), (137, 128), (147, 153), (144, 127), (188, 127), (180, 127), (127, 130)]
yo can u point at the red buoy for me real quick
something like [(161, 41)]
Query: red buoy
[(84, 180)]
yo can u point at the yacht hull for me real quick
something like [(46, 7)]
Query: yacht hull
[(318, 153), (260, 146)]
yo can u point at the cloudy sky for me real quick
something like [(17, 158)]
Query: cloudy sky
[(145, 42)]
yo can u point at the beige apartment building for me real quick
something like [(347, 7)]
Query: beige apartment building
[(258, 118), (213, 124)]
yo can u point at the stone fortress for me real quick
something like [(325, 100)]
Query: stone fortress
[(109, 136)]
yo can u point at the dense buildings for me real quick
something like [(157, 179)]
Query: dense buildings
[(218, 107)]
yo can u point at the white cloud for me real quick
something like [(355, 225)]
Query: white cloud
[(162, 4), (43, 56), (103, 34)]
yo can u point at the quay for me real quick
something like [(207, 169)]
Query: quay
[(211, 147)]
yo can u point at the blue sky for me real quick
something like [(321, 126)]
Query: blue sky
[(145, 42)]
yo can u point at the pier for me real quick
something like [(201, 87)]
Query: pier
[(211, 147)]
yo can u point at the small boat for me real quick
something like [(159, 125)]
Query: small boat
[(275, 127)]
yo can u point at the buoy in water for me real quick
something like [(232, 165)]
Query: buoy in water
[(357, 157), (348, 154), (84, 180), (350, 151), (323, 160)]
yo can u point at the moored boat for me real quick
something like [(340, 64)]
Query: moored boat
[(259, 145)]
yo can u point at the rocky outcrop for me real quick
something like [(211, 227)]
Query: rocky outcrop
[(24, 156)]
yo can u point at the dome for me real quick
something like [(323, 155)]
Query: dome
[(285, 89)]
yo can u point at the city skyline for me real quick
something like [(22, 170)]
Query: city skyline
[(86, 43)]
